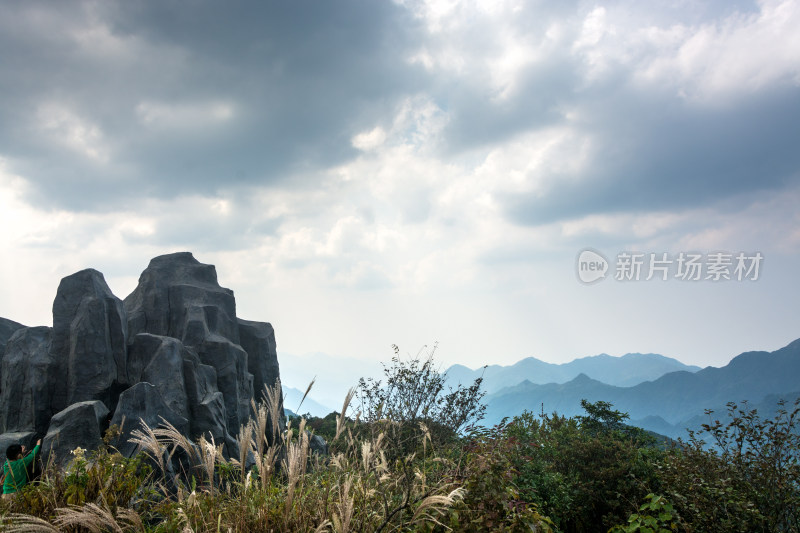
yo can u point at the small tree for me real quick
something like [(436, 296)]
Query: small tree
[(414, 391), (746, 479)]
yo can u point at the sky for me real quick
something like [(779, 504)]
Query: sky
[(411, 172)]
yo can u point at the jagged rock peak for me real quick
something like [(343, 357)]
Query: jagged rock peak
[(89, 341), (184, 268), (178, 296), (7, 328)]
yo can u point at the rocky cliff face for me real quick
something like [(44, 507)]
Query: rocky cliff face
[(173, 349)]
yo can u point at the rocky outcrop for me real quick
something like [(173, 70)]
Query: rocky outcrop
[(159, 361), (28, 376), (179, 297), (143, 403), (258, 340), (173, 349), (81, 425), (7, 328), (25, 438), (89, 337), (317, 445)]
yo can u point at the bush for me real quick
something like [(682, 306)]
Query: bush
[(414, 391), (746, 479), (586, 473), (656, 515), (492, 500)]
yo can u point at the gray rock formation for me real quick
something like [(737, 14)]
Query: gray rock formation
[(177, 296), (7, 328), (142, 403), (258, 340), (81, 425), (28, 376), (180, 297), (206, 403), (26, 438), (173, 349), (159, 361), (89, 337), (317, 445)]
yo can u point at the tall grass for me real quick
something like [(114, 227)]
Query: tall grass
[(272, 482)]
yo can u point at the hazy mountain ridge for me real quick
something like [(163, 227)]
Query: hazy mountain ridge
[(672, 400), (333, 375), (292, 398), (625, 371)]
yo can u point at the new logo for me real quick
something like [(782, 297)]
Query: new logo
[(591, 266)]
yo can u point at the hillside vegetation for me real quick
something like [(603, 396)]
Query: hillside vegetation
[(411, 458)]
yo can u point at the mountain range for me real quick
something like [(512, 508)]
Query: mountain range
[(659, 393), (292, 402), (667, 404), (334, 375), (628, 370)]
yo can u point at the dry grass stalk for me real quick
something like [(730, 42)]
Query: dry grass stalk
[(436, 504), (245, 443), (169, 434), (132, 518), (210, 455), (274, 397), (259, 426), (266, 466), (19, 523), (295, 464), (339, 461), (323, 526), (98, 519), (366, 456), (147, 440), (340, 419), (342, 519), (308, 389)]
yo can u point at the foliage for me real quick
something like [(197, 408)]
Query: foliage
[(103, 476), (414, 391), (586, 472), (747, 480), (533, 473), (325, 427), (492, 501), (656, 515)]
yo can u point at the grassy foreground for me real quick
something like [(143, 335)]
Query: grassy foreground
[(532, 473)]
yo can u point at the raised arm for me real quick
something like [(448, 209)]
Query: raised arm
[(28, 459)]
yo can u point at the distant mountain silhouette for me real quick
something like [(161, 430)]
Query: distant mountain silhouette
[(291, 402), (767, 408), (672, 400), (334, 375), (628, 370)]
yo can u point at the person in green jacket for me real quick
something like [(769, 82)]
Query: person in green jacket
[(15, 470)]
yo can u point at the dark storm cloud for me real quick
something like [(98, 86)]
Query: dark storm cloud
[(298, 79), (106, 104), (666, 154)]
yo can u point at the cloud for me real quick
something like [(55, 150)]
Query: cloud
[(160, 100), (392, 153)]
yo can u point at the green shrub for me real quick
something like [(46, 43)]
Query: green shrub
[(746, 479), (656, 515)]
